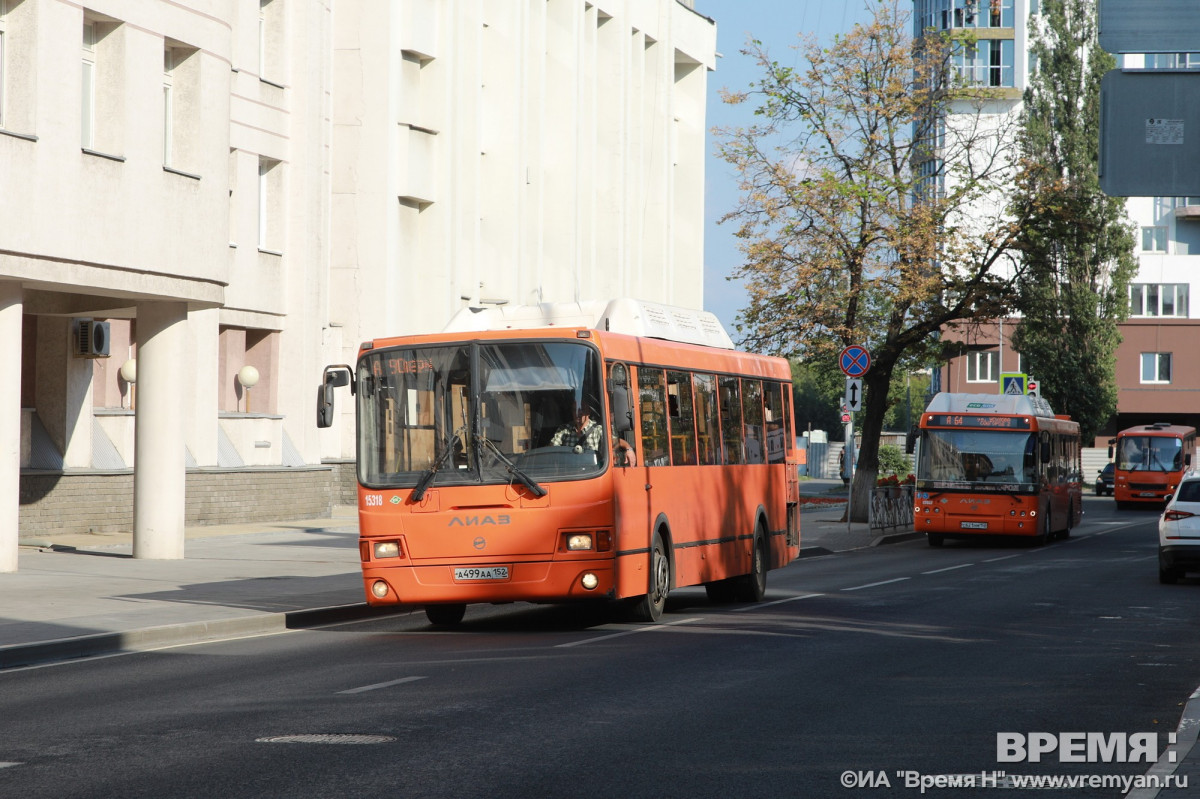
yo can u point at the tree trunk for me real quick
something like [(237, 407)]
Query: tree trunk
[(875, 386)]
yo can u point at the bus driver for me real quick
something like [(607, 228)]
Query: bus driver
[(585, 434)]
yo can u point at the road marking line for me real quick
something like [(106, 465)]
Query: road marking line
[(6, 764), (949, 568), (881, 582), (759, 605), (378, 685), (647, 629), (1005, 557)]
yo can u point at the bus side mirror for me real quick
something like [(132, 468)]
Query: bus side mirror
[(618, 391), (333, 377), (1187, 460), (621, 415), (1111, 441), (1045, 452), (910, 441)]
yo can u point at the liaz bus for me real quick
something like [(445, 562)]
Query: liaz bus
[(480, 480), (1149, 461), (995, 464)]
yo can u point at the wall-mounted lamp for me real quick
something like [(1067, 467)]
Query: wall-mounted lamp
[(248, 377), (128, 373)]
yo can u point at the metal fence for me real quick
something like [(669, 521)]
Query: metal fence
[(891, 508)]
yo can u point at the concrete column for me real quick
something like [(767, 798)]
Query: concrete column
[(159, 472), (11, 308)]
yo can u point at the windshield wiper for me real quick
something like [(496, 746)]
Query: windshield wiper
[(427, 478), (528, 481)]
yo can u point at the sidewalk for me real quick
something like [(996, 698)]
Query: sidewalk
[(81, 595)]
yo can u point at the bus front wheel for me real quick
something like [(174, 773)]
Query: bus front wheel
[(649, 607)]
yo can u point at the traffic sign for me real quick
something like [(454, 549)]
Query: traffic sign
[(854, 394), (1013, 383), (855, 361)]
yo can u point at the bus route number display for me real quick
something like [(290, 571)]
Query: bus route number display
[(968, 420)]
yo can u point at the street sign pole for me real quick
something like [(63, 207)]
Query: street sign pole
[(851, 457), (854, 361)]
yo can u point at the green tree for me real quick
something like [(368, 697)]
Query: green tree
[(816, 395), (1077, 244), (858, 218)]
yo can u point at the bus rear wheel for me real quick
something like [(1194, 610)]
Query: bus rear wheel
[(445, 615), (649, 607), (752, 587)]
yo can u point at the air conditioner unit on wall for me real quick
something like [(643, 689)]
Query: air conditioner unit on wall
[(91, 339)]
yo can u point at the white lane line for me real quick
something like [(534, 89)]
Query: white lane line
[(761, 605), (7, 764), (648, 629), (881, 582), (379, 685), (949, 568), (1004, 557)]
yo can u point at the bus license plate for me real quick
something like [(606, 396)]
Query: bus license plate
[(1148, 494), (481, 573), (974, 525)]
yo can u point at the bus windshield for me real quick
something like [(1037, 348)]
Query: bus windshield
[(479, 413), (1149, 454), (977, 456)]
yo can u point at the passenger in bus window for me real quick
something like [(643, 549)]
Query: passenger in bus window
[(754, 450), (585, 434)]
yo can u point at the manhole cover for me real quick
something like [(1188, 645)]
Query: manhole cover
[(326, 738)]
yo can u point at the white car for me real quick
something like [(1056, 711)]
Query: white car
[(1179, 531)]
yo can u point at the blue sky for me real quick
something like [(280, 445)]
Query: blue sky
[(776, 24)]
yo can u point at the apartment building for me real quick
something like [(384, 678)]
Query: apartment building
[(206, 201), (1158, 373)]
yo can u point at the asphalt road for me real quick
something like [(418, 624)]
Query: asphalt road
[(897, 660)]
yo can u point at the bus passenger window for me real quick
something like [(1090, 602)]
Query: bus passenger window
[(708, 427), (683, 419), (752, 416), (776, 446), (731, 421), (652, 404)]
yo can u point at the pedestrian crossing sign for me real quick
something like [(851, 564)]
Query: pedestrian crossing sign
[(1013, 384)]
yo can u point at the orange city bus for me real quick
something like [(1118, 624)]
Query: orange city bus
[(996, 464), (1149, 462), (468, 493)]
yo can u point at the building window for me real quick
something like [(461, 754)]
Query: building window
[(1156, 367), (947, 14), (1158, 299), (3, 73), (168, 111), (983, 367), (1173, 61), (988, 62), (88, 86), (1154, 239), (270, 41), (270, 205)]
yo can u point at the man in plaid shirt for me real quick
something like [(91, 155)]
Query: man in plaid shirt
[(584, 434)]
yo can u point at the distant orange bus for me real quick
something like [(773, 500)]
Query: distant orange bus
[(479, 483), (1148, 462), (995, 464)]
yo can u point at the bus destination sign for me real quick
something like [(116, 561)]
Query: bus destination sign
[(978, 421)]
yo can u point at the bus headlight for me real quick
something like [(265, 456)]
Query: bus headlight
[(578, 541), (379, 588), (590, 581), (387, 549)]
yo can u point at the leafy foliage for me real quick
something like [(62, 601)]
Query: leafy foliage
[(859, 215), (1077, 244)]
